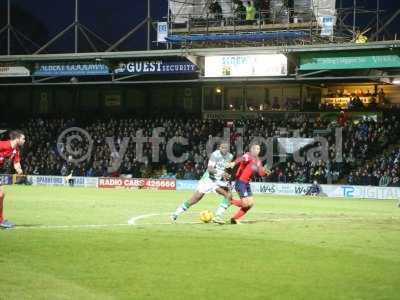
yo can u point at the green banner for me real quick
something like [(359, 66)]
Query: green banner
[(350, 60)]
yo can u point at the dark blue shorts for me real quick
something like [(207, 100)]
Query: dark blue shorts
[(243, 189)]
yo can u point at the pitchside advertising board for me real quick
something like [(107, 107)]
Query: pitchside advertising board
[(293, 189), (137, 183), (6, 179), (338, 191), (298, 189), (186, 185), (61, 181)]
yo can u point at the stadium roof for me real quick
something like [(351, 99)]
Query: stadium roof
[(199, 52), (296, 74)]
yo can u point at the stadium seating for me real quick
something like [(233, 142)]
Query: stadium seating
[(361, 142), (383, 171)]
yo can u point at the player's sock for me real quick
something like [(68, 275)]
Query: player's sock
[(1, 207), (241, 212), (223, 206), (182, 208), (237, 202)]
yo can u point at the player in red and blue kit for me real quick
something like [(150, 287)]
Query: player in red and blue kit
[(249, 164), (10, 149)]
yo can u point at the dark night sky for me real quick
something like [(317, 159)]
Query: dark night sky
[(112, 19), (119, 15), (109, 19)]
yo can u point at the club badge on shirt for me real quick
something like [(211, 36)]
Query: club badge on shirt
[(13, 154)]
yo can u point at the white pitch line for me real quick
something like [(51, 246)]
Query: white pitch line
[(70, 226), (96, 226), (132, 221)]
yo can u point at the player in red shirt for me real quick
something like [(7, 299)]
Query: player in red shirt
[(10, 149), (249, 164)]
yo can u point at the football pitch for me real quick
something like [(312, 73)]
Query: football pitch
[(76, 243)]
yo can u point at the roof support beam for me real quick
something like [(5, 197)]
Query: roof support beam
[(311, 73), (387, 23)]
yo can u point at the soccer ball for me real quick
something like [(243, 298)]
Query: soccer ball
[(206, 216)]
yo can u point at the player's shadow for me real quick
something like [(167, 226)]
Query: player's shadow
[(258, 221)]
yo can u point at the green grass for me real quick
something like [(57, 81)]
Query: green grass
[(292, 248)]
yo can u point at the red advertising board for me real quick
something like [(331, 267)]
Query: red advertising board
[(139, 183)]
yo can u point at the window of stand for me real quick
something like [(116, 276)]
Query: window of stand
[(272, 98), (251, 98), (257, 98), (352, 96), (212, 98), (292, 98), (233, 99)]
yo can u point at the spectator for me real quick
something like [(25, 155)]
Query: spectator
[(314, 189), (275, 104), (250, 13), (373, 105), (381, 96), (357, 103), (395, 182), (342, 119), (215, 9), (385, 180), (240, 11)]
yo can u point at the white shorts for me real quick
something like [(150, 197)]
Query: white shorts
[(207, 185)]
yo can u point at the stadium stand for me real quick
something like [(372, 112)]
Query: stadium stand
[(383, 170), (361, 142)]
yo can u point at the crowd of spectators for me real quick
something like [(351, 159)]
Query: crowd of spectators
[(382, 171), (361, 141)]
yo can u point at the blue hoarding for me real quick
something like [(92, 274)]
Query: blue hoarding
[(157, 66), (71, 69)]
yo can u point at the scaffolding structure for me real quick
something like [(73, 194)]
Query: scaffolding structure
[(78, 28), (189, 17), (193, 17)]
